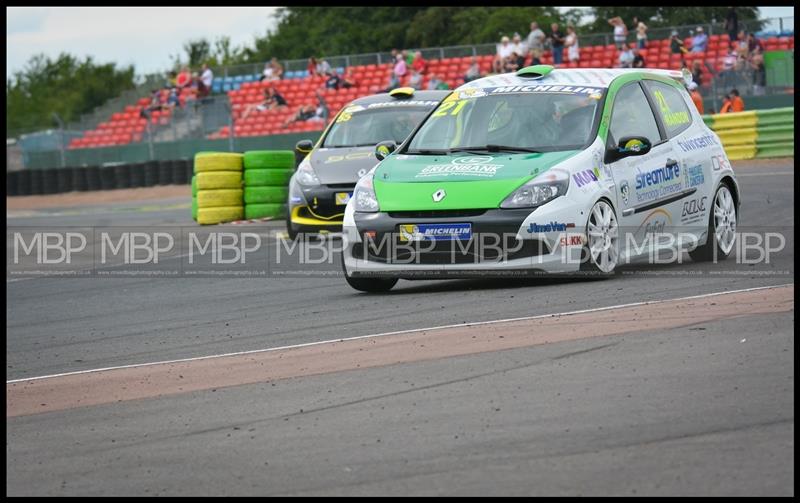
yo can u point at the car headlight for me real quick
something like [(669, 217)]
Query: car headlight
[(538, 191), (306, 175), (364, 199)]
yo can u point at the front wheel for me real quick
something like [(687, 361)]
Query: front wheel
[(291, 231), (602, 246), (721, 228), (371, 285)]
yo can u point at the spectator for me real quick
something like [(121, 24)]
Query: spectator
[(696, 98), (754, 45), (172, 77), (557, 43), (759, 74), (497, 66), (173, 100), (323, 67), (309, 112), (272, 99), (277, 69), (517, 45), (697, 71), (408, 58), (741, 45), (206, 78), (504, 50), (620, 31), (474, 71), (641, 33), (415, 80), (638, 59), (733, 103), (349, 80), (184, 78), (419, 64), (156, 103), (626, 57), (732, 23), (535, 43), (699, 41), (676, 44), (727, 74), (400, 70), (312, 66), (267, 74), (333, 81), (436, 83), (511, 63), (571, 42)]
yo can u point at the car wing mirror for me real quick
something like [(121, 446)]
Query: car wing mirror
[(384, 148)]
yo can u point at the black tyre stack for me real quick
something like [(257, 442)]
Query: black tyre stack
[(93, 178), (37, 181), (122, 175), (64, 178), (151, 173), (137, 174), (107, 179), (24, 183), (165, 172), (79, 180), (12, 183)]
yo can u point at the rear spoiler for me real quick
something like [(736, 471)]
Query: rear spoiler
[(683, 76)]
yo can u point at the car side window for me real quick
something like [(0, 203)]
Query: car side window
[(671, 107), (632, 115)]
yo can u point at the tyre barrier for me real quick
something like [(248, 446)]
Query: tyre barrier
[(108, 180), (79, 181), (24, 183), (12, 183), (50, 181), (165, 172), (36, 182), (65, 180), (755, 134), (151, 173), (137, 174), (122, 174), (93, 178), (266, 179), (217, 188)]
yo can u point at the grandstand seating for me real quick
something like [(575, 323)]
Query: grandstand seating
[(299, 88)]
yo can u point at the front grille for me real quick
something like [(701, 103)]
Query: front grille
[(349, 186), (449, 252), (437, 214)]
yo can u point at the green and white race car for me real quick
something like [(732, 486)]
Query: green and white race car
[(545, 170)]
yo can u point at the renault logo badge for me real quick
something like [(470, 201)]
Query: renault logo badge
[(439, 195)]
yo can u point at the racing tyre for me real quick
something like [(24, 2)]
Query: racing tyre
[(265, 194), (370, 285), (207, 216), (194, 186), (721, 228), (263, 211), (219, 180), (261, 177), (219, 198), (269, 159), (601, 251), (217, 161)]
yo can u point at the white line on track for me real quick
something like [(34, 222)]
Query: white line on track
[(478, 323)]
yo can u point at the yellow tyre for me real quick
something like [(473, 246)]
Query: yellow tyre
[(206, 216), (219, 180), (217, 161), (219, 197)]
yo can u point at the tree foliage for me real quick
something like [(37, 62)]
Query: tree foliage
[(64, 85)]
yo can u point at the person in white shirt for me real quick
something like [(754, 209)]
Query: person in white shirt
[(517, 45), (323, 67), (505, 49), (626, 57), (267, 73), (206, 78), (571, 42)]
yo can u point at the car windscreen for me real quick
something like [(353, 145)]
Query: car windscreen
[(540, 121), (368, 127)]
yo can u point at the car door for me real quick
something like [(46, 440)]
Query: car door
[(692, 144), (644, 184)]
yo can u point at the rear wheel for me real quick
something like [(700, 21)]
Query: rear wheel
[(371, 285), (721, 228), (602, 246)]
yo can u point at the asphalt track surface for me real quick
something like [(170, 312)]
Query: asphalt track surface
[(706, 409)]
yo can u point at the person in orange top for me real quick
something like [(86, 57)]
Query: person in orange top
[(733, 103), (695, 94)]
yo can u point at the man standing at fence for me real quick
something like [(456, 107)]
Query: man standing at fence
[(694, 92), (733, 103)]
